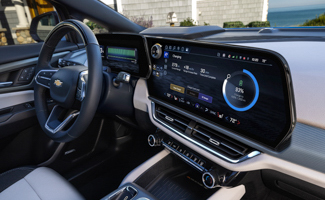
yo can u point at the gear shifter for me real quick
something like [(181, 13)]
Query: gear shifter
[(122, 77), (127, 193)]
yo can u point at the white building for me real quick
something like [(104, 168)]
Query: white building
[(214, 12)]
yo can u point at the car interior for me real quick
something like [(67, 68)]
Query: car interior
[(165, 113)]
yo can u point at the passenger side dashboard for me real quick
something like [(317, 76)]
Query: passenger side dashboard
[(286, 160)]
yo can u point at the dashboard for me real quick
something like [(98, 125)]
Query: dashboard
[(247, 91), (284, 145)]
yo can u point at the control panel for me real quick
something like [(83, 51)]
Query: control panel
[(27, 74), (64, 63), (212, 175)]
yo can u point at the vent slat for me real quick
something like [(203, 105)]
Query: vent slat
[(218, 141), (172, 119)]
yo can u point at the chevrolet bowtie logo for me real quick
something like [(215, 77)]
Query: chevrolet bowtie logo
[(58, 83)]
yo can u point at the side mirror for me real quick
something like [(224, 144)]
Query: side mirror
[(42, 24)]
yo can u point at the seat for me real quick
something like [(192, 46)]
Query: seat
[(36, 184)]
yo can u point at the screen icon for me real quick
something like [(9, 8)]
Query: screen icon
[(212, 112), (166, 54), (220, 115), (241, 83)]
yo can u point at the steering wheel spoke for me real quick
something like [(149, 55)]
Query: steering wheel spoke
[(54, 124), (82, 86), (43, 77)]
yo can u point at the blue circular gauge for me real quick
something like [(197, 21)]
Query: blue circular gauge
[(240, 90)]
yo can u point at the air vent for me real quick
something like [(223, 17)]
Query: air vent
[(172, 118), (202, 136), (219, 142)]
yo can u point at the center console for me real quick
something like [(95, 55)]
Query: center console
[(177, 172)]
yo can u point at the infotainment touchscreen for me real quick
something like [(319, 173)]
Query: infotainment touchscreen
[(242, 89)]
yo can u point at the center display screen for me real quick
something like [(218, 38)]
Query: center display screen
[(244, 90)]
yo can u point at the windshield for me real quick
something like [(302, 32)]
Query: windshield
[(223, 13)]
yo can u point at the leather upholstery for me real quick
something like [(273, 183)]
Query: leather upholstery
[(39, 184)]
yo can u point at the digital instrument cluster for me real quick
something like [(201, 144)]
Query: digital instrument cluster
[(120, 58), (246, 90), (125, 52)]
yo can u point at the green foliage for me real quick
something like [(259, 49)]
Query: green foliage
[(259, 24), (318, 21), (236, 24), (93, 25), (206, 24), (188, 22)]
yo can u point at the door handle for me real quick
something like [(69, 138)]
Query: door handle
[(5, 84)]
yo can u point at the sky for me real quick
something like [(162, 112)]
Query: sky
[(293, 3)]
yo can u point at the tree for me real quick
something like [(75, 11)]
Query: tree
[(318, 21), (188, 22)]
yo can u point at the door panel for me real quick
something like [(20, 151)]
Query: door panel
[(22, 141)]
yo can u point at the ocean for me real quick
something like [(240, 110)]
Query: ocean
[(292, 17)]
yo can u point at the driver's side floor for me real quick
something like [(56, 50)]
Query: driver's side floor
[(110, 173)]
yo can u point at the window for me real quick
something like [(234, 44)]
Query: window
[(223, 13), (16, 17), (96, 28)]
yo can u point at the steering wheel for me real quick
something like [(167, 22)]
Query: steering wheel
[(68, 85)]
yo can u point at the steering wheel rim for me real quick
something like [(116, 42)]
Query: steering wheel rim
[(93, 90)]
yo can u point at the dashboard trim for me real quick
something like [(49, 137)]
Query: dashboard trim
[(234, 161)]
